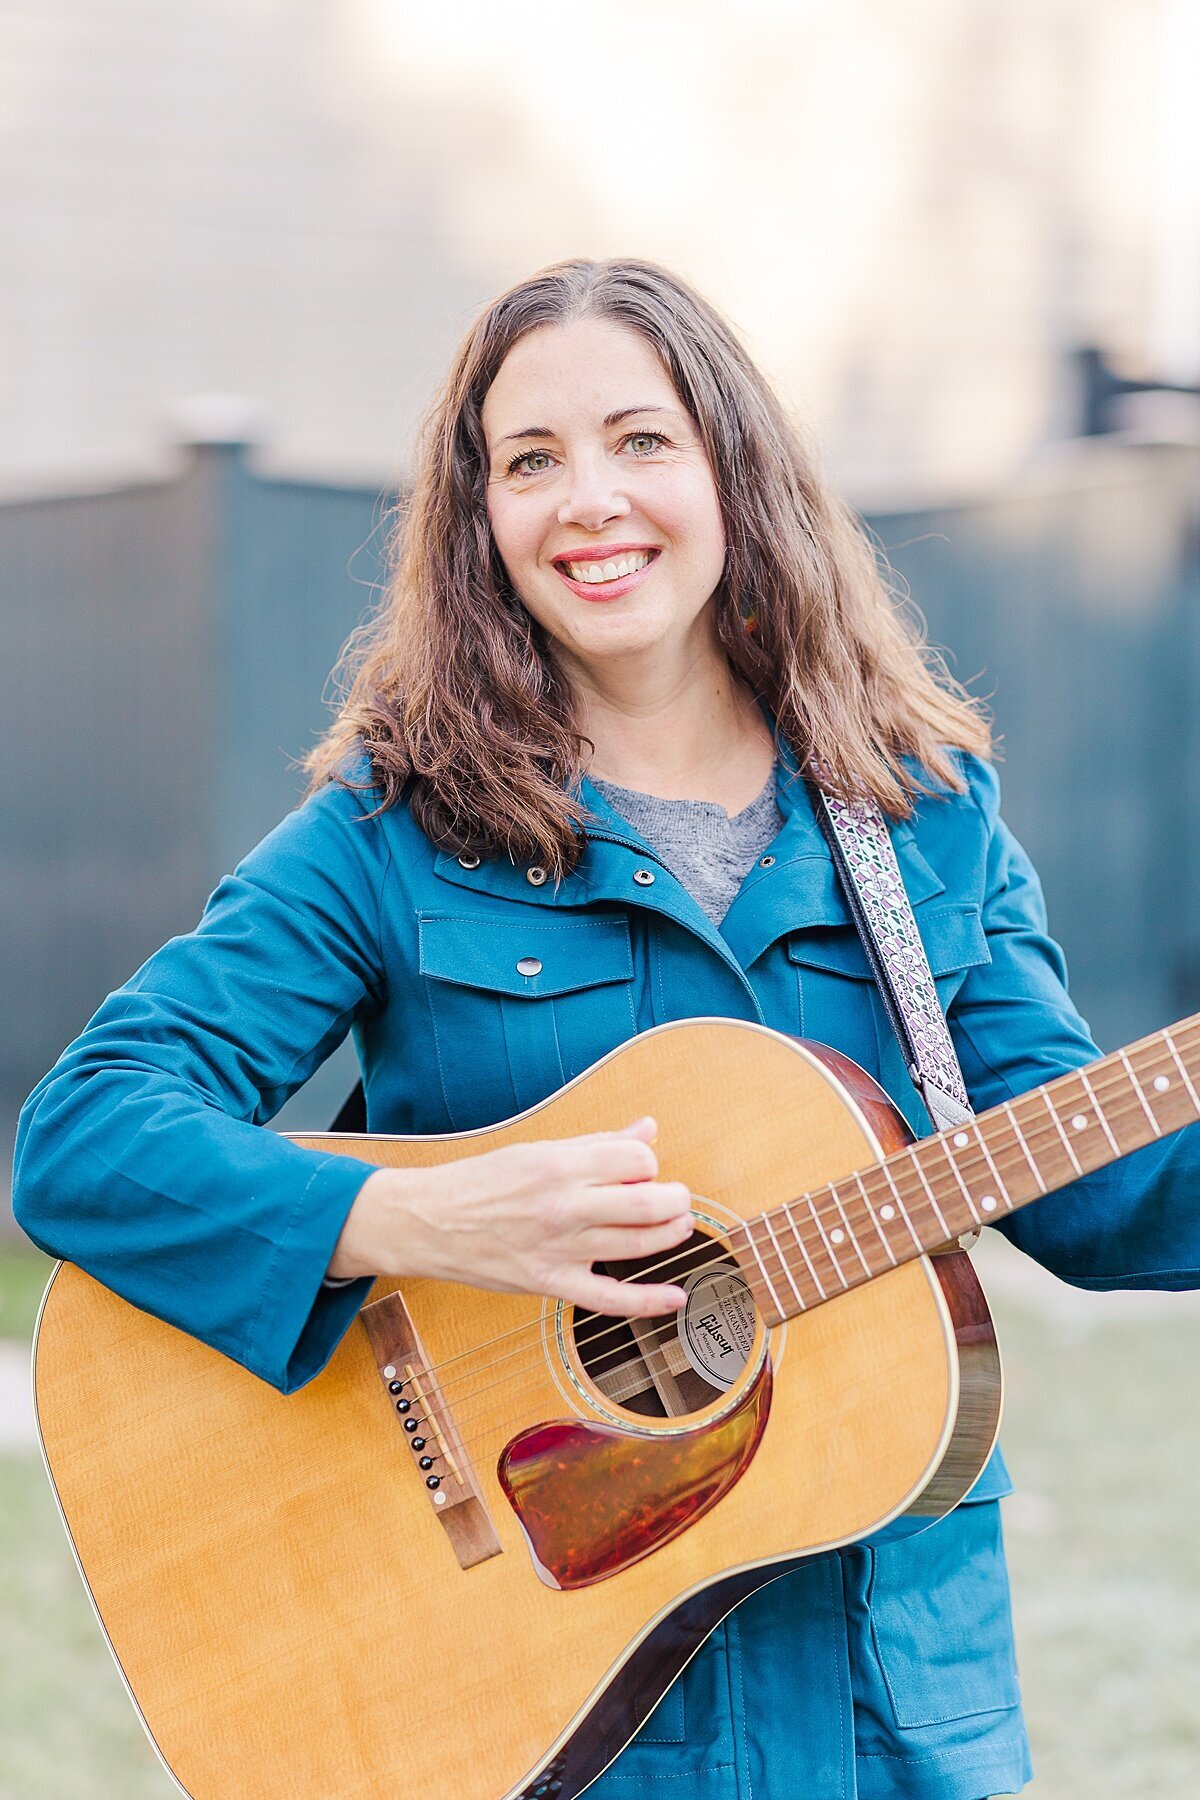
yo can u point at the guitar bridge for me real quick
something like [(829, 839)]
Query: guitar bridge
[(435, 1447)]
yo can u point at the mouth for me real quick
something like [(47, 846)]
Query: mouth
[(606, 579)]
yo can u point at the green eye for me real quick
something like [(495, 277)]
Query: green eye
[(524, 458), (645, 443)]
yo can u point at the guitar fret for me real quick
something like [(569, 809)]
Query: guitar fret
[(1062, 1134), (787, 1269), (850, 1231), (997, 1177), (875, 1222), (1187, 1082), (887, 1175), (1107, 1109), (1137, 1088), (834, 1263), (1006, 1107), (781, 1311), (941, 1217), (1099, 1110), (955, 1171)]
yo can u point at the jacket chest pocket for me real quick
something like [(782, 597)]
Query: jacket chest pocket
[(519, 1008), (837, 994)]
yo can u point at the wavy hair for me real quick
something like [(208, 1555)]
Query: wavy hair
[(453, 691)]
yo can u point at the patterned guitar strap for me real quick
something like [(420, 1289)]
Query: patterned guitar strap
[(865, 860)]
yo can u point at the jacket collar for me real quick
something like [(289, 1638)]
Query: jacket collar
[(797, 890)]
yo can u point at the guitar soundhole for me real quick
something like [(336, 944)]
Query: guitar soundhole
[(681, 1362)]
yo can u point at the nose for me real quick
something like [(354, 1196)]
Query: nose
[(593, 494)]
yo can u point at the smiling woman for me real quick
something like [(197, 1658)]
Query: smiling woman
[(572, 795), (600, 410)]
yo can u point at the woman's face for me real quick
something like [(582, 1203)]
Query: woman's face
[(601, 497)]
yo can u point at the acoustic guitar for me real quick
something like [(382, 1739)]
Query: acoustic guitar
[(470, 1557)]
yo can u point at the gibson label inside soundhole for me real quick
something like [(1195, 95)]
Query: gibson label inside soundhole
[(680, 1362)]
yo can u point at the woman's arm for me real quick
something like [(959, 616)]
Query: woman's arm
[(1133, 1224), (140, 1155)]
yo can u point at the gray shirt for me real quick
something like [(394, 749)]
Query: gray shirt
[(706, 850)]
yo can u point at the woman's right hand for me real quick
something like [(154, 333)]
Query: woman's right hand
[(528, 1218)]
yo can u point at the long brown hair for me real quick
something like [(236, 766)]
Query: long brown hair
[(454, 693)]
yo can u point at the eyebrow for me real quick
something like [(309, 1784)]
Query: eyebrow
[(610, 419)]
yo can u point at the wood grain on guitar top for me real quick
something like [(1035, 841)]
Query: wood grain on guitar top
[(280, 1595)]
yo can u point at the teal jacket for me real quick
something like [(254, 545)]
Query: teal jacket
[(885, 1674)]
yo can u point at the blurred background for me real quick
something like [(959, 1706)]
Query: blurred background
[(240, 239)]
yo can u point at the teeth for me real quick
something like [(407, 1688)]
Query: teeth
[(612, 570)]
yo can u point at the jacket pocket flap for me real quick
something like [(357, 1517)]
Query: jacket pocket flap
[(527, 959), (953, 936)]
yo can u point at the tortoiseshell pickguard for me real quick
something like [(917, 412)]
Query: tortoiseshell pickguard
[(593, 1499)]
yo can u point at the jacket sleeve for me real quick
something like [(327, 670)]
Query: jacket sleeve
[(141, 1156), (1135, 1223)]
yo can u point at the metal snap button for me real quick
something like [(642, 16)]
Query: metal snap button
[(535, 876), (766, 862), (529, 965), (468, 860), (643, 877)]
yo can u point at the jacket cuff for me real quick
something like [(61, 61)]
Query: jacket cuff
[(301, 1321)]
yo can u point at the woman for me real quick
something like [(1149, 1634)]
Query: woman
[(626, 616)]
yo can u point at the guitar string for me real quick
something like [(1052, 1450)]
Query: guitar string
[(474, 1442), (1048, 1128), (660, 1334), (464, 1443), (921, 1208)]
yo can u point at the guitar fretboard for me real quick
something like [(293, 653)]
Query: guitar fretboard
[(923, 1197)]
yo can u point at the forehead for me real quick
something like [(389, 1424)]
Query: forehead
[(574, 373)]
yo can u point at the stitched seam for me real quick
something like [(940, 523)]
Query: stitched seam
[(654, 952), (383, 980), (438, 1057), (739, 1723), (673, 1775), (562, 1071), (478, 919), (277, 1252), (837, 1602), (953, 1753)]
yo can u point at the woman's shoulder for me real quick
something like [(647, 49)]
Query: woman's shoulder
[(953, 828), (345, 822), (977, 792)]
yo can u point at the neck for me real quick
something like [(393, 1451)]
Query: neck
[(693, 732), (930, 1194)]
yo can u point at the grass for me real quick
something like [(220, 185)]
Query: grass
[(1103, 1438), (24, 1273)]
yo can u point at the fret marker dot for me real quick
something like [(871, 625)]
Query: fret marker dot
[(988, 1203), (1079, 1122), (1161, 1084), (887, 1212), (837, 1235), (961, 1140)]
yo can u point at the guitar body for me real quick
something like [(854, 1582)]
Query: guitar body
[(300, 1617)]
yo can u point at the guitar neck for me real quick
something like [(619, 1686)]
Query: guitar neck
[(935, 1191)]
